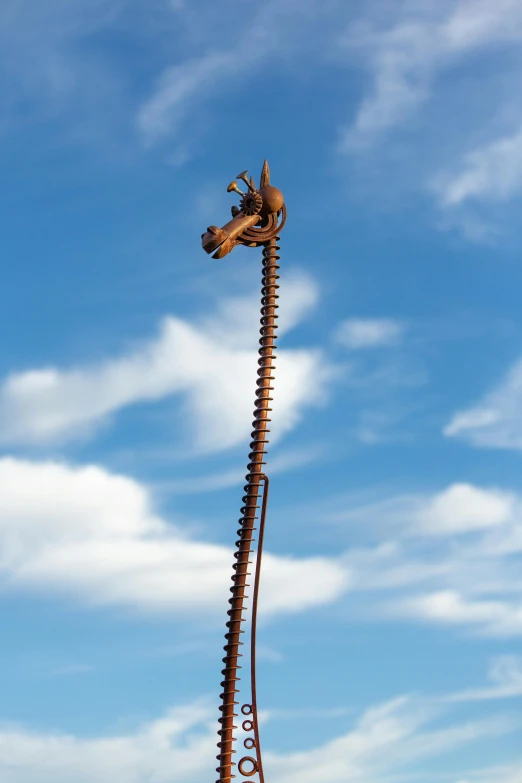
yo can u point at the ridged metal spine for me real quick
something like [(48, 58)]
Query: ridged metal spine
[(254, 478)]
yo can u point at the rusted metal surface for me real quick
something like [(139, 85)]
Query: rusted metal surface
[(257, 222), (259, 219)]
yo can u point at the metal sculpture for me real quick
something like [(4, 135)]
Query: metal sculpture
[(257, 222)]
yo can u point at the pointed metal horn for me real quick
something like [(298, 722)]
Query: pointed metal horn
[(265, 175)]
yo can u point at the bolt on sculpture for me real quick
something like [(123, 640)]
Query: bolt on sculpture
[(257, 222)]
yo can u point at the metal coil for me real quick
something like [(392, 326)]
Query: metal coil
[(246, 530)]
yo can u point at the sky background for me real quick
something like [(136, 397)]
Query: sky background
[(391, 606)]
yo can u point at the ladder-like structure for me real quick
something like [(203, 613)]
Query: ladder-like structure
[(256, 222)]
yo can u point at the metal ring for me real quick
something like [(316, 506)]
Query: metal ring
[(254, 766), (250, 724), (249, 743), (246, 709)]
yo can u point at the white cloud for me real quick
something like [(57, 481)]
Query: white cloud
[(505, 674), (280, 462), (48, 70), (490, 173), (463, 508), (386, 743), (504, 774), (211, 364), (84, 534), (89, 535), (489, 609), (506, 671), (451, 608), (495, 421), (178, 746), (405, 54), (388, 739), (357, 333), (451, 122), (182, 88), (451, 559)]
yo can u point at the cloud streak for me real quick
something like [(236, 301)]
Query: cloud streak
[(93, 536), (357, 333), (506, 675), (183, 88), (450, 559), (84, 534), (209, 365), (496, 420), (405, 55), (386, 742), (490, 173)]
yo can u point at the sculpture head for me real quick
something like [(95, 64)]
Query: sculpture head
[(254, 222)]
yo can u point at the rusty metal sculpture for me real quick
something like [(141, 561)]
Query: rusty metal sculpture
[(257, 222)]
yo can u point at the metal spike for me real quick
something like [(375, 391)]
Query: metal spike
[(265, 175)]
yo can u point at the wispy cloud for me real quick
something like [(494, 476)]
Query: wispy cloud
[(450, 123), (449, 607), (178, 745), (183, 86), (387, 742), (356, 333), (85, 534), (280, 462), (463, 508), (490, 173), (405, 53), (209, 363), (505, 674), (504, 774), (186, 86), (496, 420), (450, 559), (48, 72), (73, 669)]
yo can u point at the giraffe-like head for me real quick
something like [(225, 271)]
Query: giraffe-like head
[(253, 222)]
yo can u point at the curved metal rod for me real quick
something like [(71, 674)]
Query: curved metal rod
[(253, 631), (267, 232)]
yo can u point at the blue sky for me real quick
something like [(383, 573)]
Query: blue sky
[(392, 597)]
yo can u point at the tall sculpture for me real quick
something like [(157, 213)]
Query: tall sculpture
[(255, 223)]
